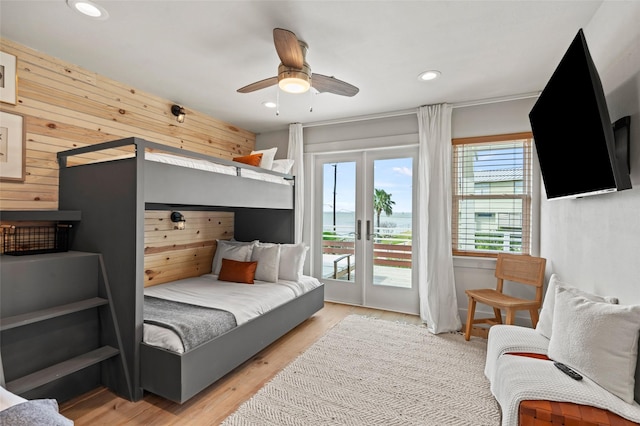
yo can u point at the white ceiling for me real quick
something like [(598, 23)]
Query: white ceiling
[(198, 53)]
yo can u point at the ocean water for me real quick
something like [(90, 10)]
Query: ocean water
[(346, 221)]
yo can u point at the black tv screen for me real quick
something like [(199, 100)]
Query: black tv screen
[(572, 131)]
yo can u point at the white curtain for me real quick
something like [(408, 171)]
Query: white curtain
[(295, 152), (438, 303)]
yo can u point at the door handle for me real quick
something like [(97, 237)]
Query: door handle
[(358, 232), (369, 233)]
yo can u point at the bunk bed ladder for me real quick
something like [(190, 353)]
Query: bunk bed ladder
[(51, 373)]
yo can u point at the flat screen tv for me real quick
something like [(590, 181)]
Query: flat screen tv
[(573, 134)]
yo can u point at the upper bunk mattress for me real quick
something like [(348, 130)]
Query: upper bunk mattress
[(209, 166)]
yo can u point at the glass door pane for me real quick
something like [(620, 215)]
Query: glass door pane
[(339, 221), (390, 233), (393, 218), (338, 253)]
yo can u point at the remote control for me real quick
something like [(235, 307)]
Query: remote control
[(568, 371)]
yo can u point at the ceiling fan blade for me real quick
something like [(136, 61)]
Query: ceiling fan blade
[(262, 84), (288, 48), (323, 83)]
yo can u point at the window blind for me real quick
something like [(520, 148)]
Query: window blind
[(492, 195)]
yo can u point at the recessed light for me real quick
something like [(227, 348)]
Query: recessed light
[(429, 75), (88, 8), (269, 104)]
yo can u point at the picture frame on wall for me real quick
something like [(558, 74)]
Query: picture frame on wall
[(8, 78), (12, 147)]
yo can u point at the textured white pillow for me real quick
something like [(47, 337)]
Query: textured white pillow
[(282, 166), (292, 258), (599, 340), (234, 250), (268, 258), (267, 157), (544, 326)]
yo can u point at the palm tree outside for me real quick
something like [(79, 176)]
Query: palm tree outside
[(382, 202)]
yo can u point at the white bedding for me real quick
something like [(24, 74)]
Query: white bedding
[(200, 164), (244, 301), (212, 167)]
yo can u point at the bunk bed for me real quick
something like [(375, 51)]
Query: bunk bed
[(113, 191)]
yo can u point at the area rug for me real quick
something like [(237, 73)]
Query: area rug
[(368, 371)]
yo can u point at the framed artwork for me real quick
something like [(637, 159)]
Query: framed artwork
[(8, 80), (12, 147)]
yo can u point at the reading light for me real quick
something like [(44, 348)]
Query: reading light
[(88, 8), (179, 112), (178, 219)]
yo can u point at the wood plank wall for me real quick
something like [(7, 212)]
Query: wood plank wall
[(171, 254), (66, 106)]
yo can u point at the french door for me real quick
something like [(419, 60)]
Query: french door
[(364, 228)]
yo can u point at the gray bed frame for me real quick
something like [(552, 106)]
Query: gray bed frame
[(113, 196)]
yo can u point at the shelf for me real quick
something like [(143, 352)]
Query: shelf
[(49, 374), (40, 215), (45, 314)]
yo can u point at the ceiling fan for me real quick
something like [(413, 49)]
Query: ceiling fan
[(294, 73)]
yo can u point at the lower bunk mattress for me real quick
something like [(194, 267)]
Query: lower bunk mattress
[(197, 330), (180, 315)]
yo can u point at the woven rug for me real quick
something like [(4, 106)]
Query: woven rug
[(367, 371)]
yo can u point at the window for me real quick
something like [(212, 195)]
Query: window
[(492, 195)]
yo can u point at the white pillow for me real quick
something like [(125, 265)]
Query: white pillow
[(545, 322), (234, 250), (282, 166), (599, 340), (267, 157), (268, 258), (292, 258)]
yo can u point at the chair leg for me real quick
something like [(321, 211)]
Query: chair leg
[(534, 317), (498, 315), (511, 316), (471, 310)]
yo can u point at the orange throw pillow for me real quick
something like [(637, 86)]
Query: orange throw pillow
[(237, 272), (252, 160)]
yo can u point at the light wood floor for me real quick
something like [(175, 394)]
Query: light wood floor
[(215, 403)]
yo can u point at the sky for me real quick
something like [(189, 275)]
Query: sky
[(392, 175)]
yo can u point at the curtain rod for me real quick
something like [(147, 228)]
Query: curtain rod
[(414, 110)]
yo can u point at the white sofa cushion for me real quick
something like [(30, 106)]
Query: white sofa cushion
[(599, 340), (545, 324)]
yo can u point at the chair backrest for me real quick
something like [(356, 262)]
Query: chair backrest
[(522, 269)]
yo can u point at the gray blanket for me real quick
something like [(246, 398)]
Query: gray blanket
[(194, 324), (34, 412)]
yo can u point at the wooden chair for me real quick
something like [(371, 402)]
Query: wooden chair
[(517, 268)]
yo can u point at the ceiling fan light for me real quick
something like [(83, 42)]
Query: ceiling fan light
[(294, 85), (292, 80)]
